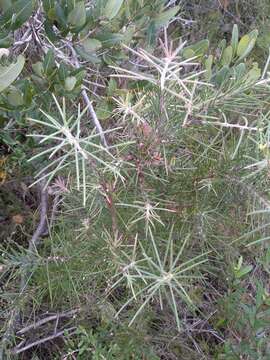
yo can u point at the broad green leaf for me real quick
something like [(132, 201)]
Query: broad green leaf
[(243, 44), (7, 139), (80, 75), (163, 18), (246, 44), (6, 40), (62, 72), (243, 271), (253, 34), (49, 63), (38, 81), (5, 4), (15, 97), (220, 48), (70, 83), (222, 75), (198, 49), (109, 39), (27, 91), (112, 87), (248, 49), (91, 45), (86, 55), (8, 74), (128, 34), (227, 55), (264, 38), (208, 67), (254, 74), (234, 40), (77, 17), (239, 71), (112, 8), (17, 14), (59, 15), (151, 33), (38, 68), (188, 53), (103, 110)]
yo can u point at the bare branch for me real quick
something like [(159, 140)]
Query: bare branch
[(87, 101), (41, 322), (18, 350)]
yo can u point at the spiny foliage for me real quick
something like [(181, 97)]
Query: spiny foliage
[(157, 238)]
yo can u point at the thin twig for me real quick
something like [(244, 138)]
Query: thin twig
[(17, 350), (87, 100), (43, 218), (41, 322)]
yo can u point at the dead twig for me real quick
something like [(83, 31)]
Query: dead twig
[(41, 322), (33, 243), (87, 101), (18, 350)]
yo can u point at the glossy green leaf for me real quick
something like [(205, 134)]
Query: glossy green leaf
[(103, 110), (6, 40), (70, 83), (222, 75), (243, 271), (91, 45), (198, 49), (243, 45), (59, 15), (86, 55), (208, 67), (109, 39), (77, 17), (254, 73), (112, 87), (112, 8), (80, 75), (220, 48), (239, 71), (234, 40), (8, 74), (15, 97), (248, 49), (246, 44), (17, 14), (62, 72), (253, 34), (151, 33), (128, 34), (5, 4), (38, 68), (49, 62), (227, 55), (188, 53), (163, 18)]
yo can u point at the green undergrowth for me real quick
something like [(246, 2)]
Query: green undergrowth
[(157, 238)]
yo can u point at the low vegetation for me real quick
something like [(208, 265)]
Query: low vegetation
[(134, 216)]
